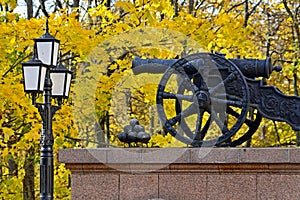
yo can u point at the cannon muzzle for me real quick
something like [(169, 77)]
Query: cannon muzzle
[(254, 68), (251, 68)]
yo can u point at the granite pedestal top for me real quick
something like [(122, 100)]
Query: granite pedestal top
[(163, 159)]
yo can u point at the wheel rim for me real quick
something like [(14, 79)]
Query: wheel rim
[(252, 124), (195, 79)]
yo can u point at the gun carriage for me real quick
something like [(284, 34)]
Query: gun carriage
[(217, 95)]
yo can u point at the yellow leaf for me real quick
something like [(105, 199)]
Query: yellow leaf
[(5, 152), (127, 6)]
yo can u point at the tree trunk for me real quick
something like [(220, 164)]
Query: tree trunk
[(99, 133), (12, 166), (191, 6), (295, 31), (29, 5), (107, 129), (28, 181), (246, 13), (108, 3), (249, 12), (58, 4), (175, 4), (75, 4), (0, 170)]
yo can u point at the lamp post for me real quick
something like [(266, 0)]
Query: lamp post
[(44, 77)]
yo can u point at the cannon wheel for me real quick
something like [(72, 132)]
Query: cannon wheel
[(194, 72), (252, 123)]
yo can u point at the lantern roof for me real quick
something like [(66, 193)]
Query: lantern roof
[(46, 35)]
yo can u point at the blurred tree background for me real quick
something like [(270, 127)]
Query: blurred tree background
[(239, 28)]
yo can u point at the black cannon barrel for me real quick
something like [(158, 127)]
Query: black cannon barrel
[(251, 68), (152, 66)]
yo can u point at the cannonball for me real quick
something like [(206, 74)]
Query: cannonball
[(143, 137), (138, 128), (127, 128), (122, 137), (132, 137), (134, 122)]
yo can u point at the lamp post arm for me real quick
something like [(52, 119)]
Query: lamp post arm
[(41, 110), (54, 109), (40, 107)]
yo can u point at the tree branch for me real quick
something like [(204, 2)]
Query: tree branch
[(14, 65), (235, 6), (58, 4), (254, 7), (42, 4), (295, 21)]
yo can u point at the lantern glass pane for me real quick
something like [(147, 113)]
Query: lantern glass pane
[(68, 84), (43, 77), (55, 53), (58, 83), (31, 77), (44, 50)]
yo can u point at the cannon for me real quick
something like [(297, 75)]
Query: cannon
[(204, 99)]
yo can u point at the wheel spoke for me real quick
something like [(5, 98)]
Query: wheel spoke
[(198, 132), (199, 83), (226, 96), (218, 121), (226, 102), (228, 79), (168, 95), (185, 113), (232, 112), (192, 109), (248, 122)]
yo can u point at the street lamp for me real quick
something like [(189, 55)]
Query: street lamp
[(43, 76), (34, 73), (61, 80)]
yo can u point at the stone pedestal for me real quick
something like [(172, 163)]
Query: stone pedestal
[(183, 173)]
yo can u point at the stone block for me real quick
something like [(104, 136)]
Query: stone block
[(94, 186), (294, 155), (264, 155), (231, 186), (278, 187), (182, 186), (81, 156), (214, 155), (165, 155), (137, 187), (124, 155)]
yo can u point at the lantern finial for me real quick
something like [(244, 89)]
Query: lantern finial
[(47, 48), (60, 57), (47, 26), (34, 52), (47, 34)]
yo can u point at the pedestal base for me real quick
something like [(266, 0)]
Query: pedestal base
[(183, 173)]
